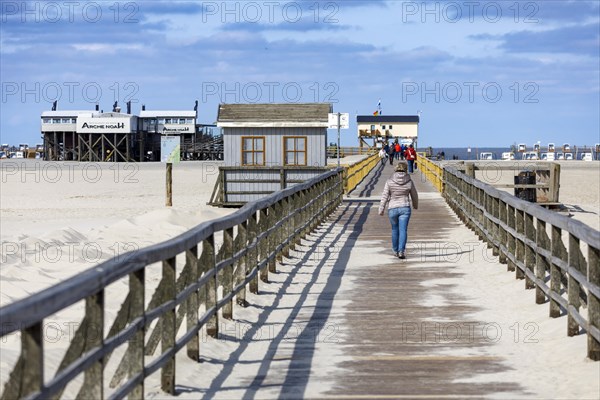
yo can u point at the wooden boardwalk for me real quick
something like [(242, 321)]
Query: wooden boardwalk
[(398, 344), (365, 329)]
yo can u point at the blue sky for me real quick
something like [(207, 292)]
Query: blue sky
[(481, 73)]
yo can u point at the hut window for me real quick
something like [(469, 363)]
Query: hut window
[(253, 150), (294, 150)]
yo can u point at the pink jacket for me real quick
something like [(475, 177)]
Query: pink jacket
[(397, 191)]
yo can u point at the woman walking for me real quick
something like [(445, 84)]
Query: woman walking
[(395, 196), (411, 156)]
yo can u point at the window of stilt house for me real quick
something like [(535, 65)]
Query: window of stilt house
[(294, 150), (253, 150)]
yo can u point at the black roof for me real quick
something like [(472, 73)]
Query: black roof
[(387, 118)]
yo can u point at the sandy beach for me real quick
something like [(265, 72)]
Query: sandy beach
[(59, 219)]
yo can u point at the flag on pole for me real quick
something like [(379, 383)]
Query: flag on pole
[(378, 111)]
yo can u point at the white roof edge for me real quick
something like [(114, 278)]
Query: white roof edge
[(313, 124), (67, 113), (167, 113)]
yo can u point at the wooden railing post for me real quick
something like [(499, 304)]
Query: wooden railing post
[(295, 220), (559, 251), (512, 240), (168, 329), (28, 375), (210, 292), (593, 302), (136, 344), (279, 236), (576, 262), (304, 215), (496, 225), (314, 215), (287, 225), (520, 253), (529, 251), (264, 244), (554, 181), (273, 237), (93, 382), (470, 169), (541, 263), (340, 190), (241, 268), (227, 272), (503, 234), (192, 303), (251, 259)]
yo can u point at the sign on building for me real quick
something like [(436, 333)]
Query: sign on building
[(103, 125)]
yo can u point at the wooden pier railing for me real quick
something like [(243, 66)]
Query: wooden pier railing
[(432, 171), (554, 254), (349, 151), (252, 240), (356, 172)]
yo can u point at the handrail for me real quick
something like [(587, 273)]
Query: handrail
[(356, 172), (265, 230), (432, 171), (349, 151), (529, 239)]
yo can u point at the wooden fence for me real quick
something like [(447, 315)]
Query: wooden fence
[(349, 151), (235, 186), (544, 248), (547, 176), (253, 240)]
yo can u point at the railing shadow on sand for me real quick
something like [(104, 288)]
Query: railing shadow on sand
[(254, 239)]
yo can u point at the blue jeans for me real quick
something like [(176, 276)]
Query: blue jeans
[(399, 218), (411, 164)]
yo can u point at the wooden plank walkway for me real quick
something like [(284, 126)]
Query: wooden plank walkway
[(359, 325), (395, 341)]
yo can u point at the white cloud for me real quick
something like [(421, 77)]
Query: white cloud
[(108, 48)]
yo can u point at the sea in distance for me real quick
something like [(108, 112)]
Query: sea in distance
[(462, 153)]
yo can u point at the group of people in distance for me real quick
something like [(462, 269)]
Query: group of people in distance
[(391, 151)]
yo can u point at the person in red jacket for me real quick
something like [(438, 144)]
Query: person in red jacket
[(411, 156), (397, 147)]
